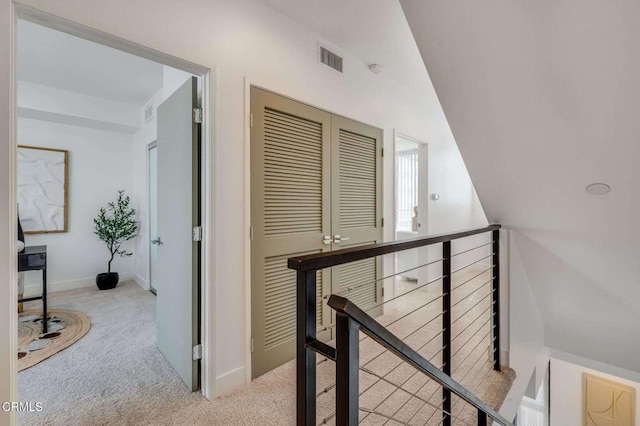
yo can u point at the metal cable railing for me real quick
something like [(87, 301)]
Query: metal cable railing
[(430, 396), (416, 288), (450, 321), (350, 289), (350, 321), (400, 389), (370, 308)]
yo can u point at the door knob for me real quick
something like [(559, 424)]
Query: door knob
[(338, 239), (157, 241)]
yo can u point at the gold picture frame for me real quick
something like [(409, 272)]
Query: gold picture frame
[(43, 189), (606, 402)]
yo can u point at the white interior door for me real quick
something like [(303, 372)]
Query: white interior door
[(177, 279), (152, 190)]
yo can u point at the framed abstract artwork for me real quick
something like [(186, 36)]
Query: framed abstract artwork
[(607, 403), (42, 189)]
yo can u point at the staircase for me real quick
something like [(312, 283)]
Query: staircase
[(430, 356)]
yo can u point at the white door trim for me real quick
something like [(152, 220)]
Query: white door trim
[(150, 146), (64, 25), (396, 135), (206, 76), (248, 82), (10, 318)]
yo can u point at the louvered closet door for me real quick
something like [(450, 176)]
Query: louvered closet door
[(290, 215), (357, 208)]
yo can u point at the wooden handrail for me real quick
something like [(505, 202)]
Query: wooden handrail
[(339, 257)]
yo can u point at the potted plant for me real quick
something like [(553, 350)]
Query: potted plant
[(114, 225)]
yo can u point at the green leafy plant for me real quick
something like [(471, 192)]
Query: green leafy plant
[(116, 224)]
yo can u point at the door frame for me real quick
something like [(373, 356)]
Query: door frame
[(150, 146), (207, 79), (397, 134)]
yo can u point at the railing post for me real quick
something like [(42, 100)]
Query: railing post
[(306, 358), (446, 328), (347, 370), (482, 418), (496, 299)]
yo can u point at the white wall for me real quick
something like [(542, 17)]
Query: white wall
[(99, 166), (566, 392), (247, 42), (526, 351), (70, 106), (537, 123)]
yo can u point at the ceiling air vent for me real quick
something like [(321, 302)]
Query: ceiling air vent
[(148, 113), (331, 59)]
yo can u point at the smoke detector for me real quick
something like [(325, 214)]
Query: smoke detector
[(598, 189), (375, 68)]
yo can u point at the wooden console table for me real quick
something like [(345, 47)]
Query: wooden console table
[(34, 258)]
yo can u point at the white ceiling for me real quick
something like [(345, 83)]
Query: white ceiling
[(543, 99), (55, 59), (374, 31)]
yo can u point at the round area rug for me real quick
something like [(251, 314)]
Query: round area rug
[(64, 329)]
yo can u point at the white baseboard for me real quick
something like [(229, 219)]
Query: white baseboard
[(141, 281), (230, 381), (35, 289), (504, 358)]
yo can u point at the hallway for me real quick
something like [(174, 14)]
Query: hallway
[(115, 374)]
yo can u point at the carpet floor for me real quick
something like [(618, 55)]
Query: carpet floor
[(116, 376)]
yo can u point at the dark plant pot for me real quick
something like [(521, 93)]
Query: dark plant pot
[(107, 280)]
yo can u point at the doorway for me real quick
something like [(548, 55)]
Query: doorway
[(107, 152), (316, 186), (411, 204)]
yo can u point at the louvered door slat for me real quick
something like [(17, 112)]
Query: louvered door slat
[(294, 127), (292, 205), (356, 208), (357, 177), (280, 300), (291, 171), (290, 213)]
